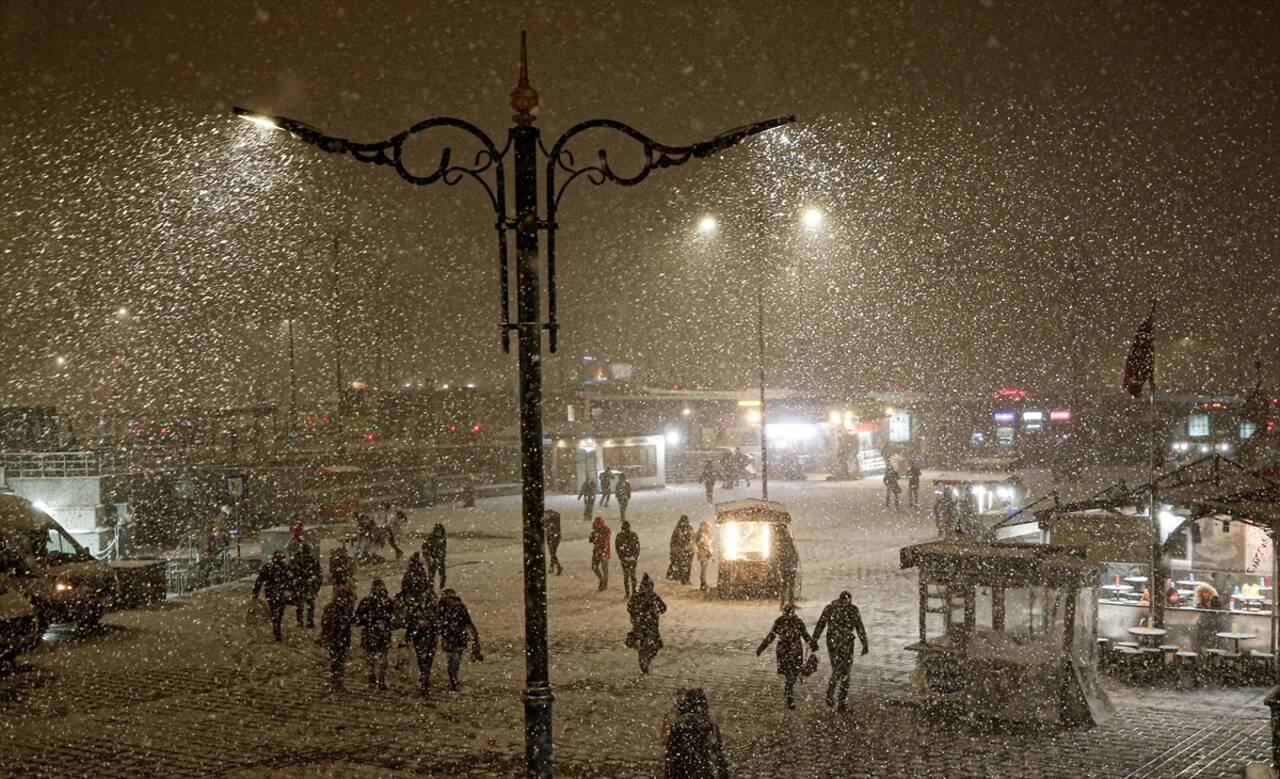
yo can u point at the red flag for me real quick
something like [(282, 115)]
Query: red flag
[(1138, 368)]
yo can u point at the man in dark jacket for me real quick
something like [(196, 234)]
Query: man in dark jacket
[(628, 546), (913, 485), (420, 613), (456, 629), (606, 486), (600, 551), (792, 636), (551, 532), (844, 629), (644, 608), (891, 488), (335, 630), (275, 579), (623, 490), (695, 749), (375, 614), (708, 479), (434, 550), (415, 575), (587, 494), (304, 571)]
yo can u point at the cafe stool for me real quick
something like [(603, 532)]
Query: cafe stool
[(1260, 667), (1232, 667), (1127, 644), (1187, 668), (1149, 663), (1125, 661)]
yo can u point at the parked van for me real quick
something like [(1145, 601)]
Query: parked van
[(62, 581)]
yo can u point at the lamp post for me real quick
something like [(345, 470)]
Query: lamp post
[(488, 168), (812, 218)]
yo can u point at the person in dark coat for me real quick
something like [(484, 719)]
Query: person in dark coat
[(695, 749), (587, 494), (681, 566), (791, 634), (606, 486), (419, 612), (708, 479), (844, 629), (304, 570), (415, 575), (275, 579), (628, 546), (335, 630), (787, 560), (376, 614), (434, 550), (644, 608), (551, 532), (342, 569), (600, 551), (456, 629), (944, 512), (891, 488), (913, 485), (623, 491)]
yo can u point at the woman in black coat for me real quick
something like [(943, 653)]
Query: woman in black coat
[(375, 614), (681, 551), (792, 636), (645, 607)]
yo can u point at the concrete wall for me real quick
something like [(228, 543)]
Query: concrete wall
[(76, 503)]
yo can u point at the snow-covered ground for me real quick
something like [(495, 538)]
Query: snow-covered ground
[(188, 688)]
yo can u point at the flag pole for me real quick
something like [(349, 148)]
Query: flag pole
[(1155, 583)]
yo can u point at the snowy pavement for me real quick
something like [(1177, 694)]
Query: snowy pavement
[(187, 689)]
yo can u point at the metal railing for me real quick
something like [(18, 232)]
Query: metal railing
[(54, 464)]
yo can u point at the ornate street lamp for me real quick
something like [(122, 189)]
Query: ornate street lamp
[(488, 169)]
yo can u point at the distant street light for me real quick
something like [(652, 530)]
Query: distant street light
[(812, 218), (708, 224), (523, 148), (59, 360)]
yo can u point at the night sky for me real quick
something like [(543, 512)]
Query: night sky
[(1006, 186)]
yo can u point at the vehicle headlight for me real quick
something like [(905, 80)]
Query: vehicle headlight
[(61, 586)]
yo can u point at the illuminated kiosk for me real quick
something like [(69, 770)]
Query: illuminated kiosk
[(1017, 632), (749, 533)]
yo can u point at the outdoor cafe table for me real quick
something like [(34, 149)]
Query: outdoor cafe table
[(1148, 635), (1117, 588), (1236, 637)]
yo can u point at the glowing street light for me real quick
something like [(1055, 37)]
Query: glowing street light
[(812, 218), (60, 360), (708, 224)]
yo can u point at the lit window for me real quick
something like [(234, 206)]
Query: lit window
[(1247, 429), (900, 427), (1198, 425)]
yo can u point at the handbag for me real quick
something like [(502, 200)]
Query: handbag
[(810, 666), (631, 640)]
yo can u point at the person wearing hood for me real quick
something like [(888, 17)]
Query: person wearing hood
[(419, 611), (304, 571), (434, 550), (415, 575), (275, 579), (456, 629), (844, 629), (375, 615), (628, 546), (606, 486), (695, 749), (681, 565), (644, 608), (335, 630), (702, 543), (891, 488), (600, 551), (791, 635)]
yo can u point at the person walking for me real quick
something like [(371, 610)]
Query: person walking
[(843, 624), (420, 613), (415, 575), (891, 488), (645, 607), (702, 543), (695, 749), (375, 615), (304, 571), (551, 533), (708, 479), (913, 485), (788, 562), (275, 579), (335, 630), (600, 551), (434, 551), (791, 634), (606, 486), (622, 489), (342, 569), (628, 545), (681, 564), (944, 512), (456, 630), (587, 494)]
